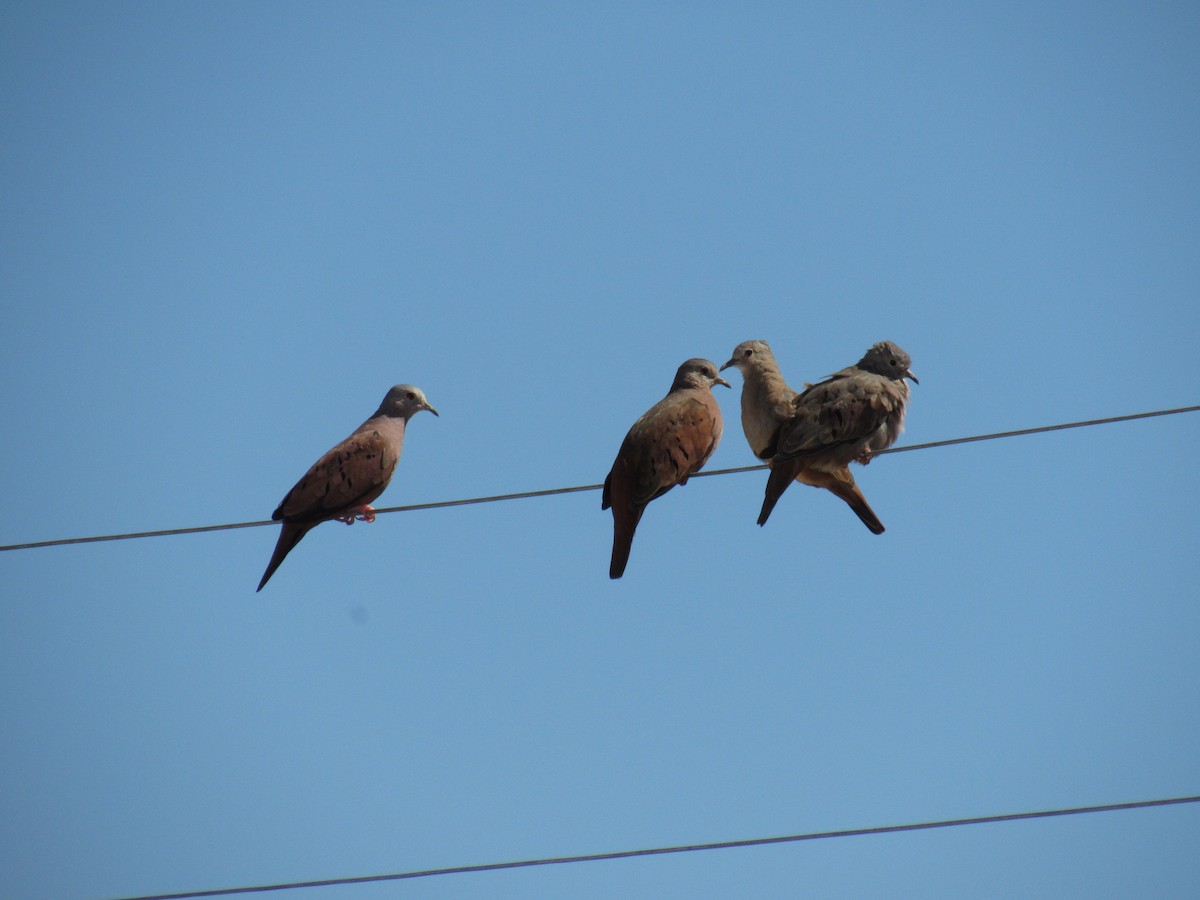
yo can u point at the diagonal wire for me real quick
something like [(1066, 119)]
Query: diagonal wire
[(550, 492), (684, 848)]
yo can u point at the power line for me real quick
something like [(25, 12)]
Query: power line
[(685, 848), (550, 492)]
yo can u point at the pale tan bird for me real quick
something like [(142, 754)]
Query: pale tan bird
[(854, 413), (767, 403), (670, 442), (342, 483)]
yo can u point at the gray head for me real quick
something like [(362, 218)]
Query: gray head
[(750, 354), (697, 372), (402, 401), (888, 360)]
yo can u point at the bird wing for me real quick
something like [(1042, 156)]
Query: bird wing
[(846, 409), (671, 442), (353, 473)]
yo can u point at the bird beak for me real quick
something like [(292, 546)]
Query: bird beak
[(720, 380), (431, 409), (727, 365), (909, 374)]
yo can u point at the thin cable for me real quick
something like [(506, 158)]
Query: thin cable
[(550, 492), (658, 851)]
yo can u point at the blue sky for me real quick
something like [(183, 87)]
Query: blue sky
[(227, 229)]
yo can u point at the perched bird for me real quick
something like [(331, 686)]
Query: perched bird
[(766, 406), (852, 414), (342, 483), (669, 443)]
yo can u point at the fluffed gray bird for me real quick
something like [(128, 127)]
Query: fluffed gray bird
[(342, 484), (846, 418), (767, 403), (670, 442)]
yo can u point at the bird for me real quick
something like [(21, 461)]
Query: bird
[(342, 483), (670, 442), (848, 417), (766, 406)]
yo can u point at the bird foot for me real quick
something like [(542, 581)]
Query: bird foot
[(863, 458), (362, 514)]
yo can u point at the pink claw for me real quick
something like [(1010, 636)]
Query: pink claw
[(362, 514)]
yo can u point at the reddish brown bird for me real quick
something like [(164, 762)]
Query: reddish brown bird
[(852, 414), (342, 483), (671, 442)]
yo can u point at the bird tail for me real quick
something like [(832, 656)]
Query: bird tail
[(782, 474), (625, 523), (842, 485), (289, 537)]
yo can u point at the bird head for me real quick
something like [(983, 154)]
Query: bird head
[(697, 372), (888, 360), (403, 401), (749, 354)]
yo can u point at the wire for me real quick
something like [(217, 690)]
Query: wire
[(686, 848), (549, 492)]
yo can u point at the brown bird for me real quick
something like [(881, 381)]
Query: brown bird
[(766, 406), (342, 483), (669, 443), (854, 413)]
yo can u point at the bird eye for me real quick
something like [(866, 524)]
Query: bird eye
[(749, 352), (893, 362), (411, 396)]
